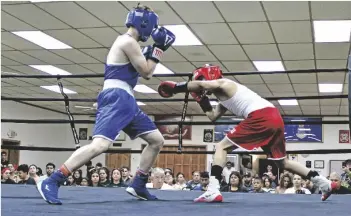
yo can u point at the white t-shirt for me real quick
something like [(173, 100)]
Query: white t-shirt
[(164, 186), (293, 191), (226, 172)]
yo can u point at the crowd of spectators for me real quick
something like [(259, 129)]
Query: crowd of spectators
[(164, 179)]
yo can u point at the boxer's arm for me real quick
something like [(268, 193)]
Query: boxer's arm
[(216, 113), (144, 67), (196, 86)]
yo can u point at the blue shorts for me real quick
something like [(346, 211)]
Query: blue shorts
[(118, 110)]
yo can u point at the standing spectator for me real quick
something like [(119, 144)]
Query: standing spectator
[(23, 170), (340, 189), (284, 183), (126, 175), (180, 181), (5, 177), (297, 186), (4, 161), (50, 168), (235, 183), (247, 182), (227, 170)]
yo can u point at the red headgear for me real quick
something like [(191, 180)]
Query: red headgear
[(208, 72)]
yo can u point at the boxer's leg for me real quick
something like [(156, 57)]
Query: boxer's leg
[(142, 126)]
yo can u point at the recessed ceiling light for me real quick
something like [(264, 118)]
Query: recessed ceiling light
[(140, 103), (330, 88), (332, 31), (161, 69), (56, 89), (144, 89), (292, 102), (213, 103), (269, 65), (42, 39), (184, 37), (50, 69)]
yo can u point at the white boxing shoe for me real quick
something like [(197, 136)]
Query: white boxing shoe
[(212, 194)]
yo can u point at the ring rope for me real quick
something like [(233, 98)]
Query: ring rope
[(174, 99), (349, 73), (178, 74), (180, 126), (70, 116), (55, 149), (62, 121)]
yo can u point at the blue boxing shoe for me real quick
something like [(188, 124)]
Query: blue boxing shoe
[(49, 187), (138, 188)]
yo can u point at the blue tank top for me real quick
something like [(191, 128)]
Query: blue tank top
[(125, 73)]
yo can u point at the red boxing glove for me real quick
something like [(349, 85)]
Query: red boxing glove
[(202, 100), (197, 95), (168, 88)]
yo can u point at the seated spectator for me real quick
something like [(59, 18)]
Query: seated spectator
[(23, 170), (235, 183), (309, 185), (271, 177), (39, 172), (346, 176), (69, 181), (77, 176), (247, 182), (257, 186), (205, 180), (104, 175), (13, 171), (33, 172), (335, 177), (267, 186), (94, 181), (116, 179), (169, 178), (5, 177), (158, 180), (126, 179), (284, 183), (180, 182), (297, 186), (194, 184), (84, 182)]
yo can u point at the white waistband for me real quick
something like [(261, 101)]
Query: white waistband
[(115, 83)]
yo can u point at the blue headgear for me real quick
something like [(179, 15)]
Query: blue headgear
[(144, 21)]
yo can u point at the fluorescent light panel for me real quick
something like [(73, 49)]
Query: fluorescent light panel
[(140, 103), (184, 37), (214, 103), (330, 88), (144, 89), (269, 65), (160, 69), (288, 102), (56, 89), (42, 39), (50, 69), (332, 31)]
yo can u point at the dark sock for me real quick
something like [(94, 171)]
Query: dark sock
[(312, 174), (217, 172)]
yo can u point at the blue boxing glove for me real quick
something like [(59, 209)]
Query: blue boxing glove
[(163, 38)]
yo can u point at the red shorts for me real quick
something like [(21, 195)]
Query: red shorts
[(263, 128)]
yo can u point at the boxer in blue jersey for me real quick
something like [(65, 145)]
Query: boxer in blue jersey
[(117, 108)]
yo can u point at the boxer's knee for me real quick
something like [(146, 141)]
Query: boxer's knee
[(281, 164), (225, 145), (99, 145), (154, 139)]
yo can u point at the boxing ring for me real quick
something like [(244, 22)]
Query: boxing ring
[(25, 200), (86, 201)]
